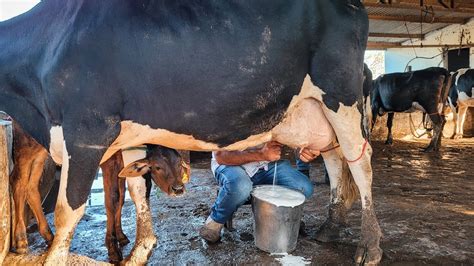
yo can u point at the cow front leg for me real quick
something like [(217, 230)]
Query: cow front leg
[(145, 236), (346, 122), (343, 193), (389, 140), (83, 147), (460, 121)]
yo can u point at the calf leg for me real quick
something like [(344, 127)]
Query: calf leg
[(121, 237), (343, 193), (34, 197), (145, 236), (389, 140), (19, 184), (460, 121), (110, 170)]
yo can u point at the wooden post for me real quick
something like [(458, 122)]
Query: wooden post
[(5, 167)]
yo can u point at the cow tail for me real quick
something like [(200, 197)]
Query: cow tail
[(349, 190), (445, 90)]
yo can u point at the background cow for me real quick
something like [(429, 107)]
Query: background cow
[(108, 75), (424, 90), (461, 97)]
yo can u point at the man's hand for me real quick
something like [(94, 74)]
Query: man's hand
[(271, 151), (307, 155)]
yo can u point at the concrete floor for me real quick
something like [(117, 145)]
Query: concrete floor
[(424, 203)]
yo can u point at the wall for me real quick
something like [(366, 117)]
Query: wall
[(397, 59)]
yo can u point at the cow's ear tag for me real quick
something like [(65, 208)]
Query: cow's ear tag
[(135, 169)]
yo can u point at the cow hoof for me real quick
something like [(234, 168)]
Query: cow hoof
[(115, 259), (389, 142), (430, 149), (21, 246), (21, 250), (48, 236), (457, 136), (115, 255), (368, 256), (123, 240), (330, 232)]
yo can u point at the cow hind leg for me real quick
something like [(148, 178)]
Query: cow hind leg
[(343, 194), (460, 122), (346, 124), (389, 140), (438, 125)]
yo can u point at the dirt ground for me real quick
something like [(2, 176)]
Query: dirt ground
[(424, 203)]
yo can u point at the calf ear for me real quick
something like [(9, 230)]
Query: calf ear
[(137, 168)]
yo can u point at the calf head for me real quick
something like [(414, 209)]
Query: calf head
[(168, 168)]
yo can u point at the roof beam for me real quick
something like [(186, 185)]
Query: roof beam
[(459, 8), (396, 35), (388, 45), (448, 20)]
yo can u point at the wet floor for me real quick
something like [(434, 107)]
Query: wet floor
[(424, 203)]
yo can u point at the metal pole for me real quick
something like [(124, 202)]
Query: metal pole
[(5, 167)]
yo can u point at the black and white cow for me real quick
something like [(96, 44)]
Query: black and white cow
[(461, 97), (86, 78), (425, 90)]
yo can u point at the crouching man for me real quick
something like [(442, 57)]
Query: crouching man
[(238, 171)]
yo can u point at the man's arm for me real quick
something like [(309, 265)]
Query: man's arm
[(271, 151)]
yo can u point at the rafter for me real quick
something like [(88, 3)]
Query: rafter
[(459, 8), (448, 20), (388, 45), (396, 35)]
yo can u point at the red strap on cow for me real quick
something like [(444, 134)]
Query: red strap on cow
[(362, 153), (349, 161), (330, 149)]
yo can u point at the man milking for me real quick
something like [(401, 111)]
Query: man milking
[(237, 172)]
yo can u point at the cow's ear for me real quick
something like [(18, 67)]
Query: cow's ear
[(137, 168)]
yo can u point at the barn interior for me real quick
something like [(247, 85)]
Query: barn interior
[(424, 201)]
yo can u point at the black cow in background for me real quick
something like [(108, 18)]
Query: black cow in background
[(461, 97), (424, 90), (367, 88)]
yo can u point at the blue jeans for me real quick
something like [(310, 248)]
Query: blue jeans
[(301, 166), (236, 185)]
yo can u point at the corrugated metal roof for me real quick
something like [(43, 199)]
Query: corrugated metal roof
[(391, 23)]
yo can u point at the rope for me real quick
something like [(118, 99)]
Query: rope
[(413, 128)]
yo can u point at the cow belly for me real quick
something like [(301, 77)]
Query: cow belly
[(304, 125), (464, 99)]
